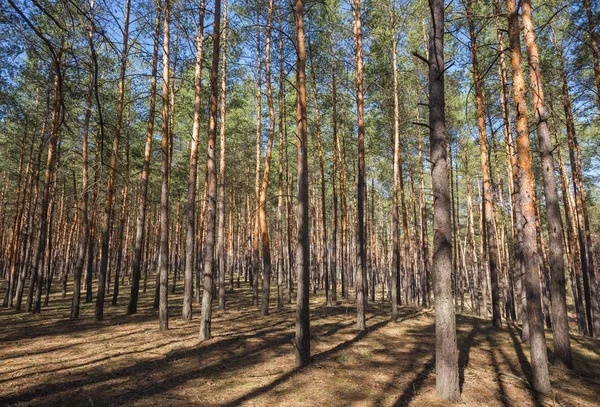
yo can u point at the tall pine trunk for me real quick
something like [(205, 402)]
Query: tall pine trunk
[(361, 253), (526, 211), (163, 255), (446, 353), (211, 171), (302, 338), (560, 323), (192, 177)]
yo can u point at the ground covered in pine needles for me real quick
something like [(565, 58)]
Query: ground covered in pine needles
[(47, 360)]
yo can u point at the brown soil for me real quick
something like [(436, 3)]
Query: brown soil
[(47, 360)]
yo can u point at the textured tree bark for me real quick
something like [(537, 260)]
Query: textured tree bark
[(207, 294), (192, 175), (107, 218), (488, 213), (540, 380), (361, 252), (560, 331), (163, 256), (446, 353), (302, 338)]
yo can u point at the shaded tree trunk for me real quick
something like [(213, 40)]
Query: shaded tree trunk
[(112, 176), (192, 176), (163, 256), (361, 259), (207, 294), (302, 338), (446, 353)]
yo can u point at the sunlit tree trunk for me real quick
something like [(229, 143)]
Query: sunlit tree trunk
[(560, 323), (526, 210)]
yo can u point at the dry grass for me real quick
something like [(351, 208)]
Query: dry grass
[(47, 360)]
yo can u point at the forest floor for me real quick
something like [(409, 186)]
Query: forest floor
[(47, 360)]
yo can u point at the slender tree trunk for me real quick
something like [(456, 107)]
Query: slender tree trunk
[(112, 176), (192, 176), (206, 310), (324, 252), (302, 339), (488, 213), (281, 270), (570, 203), (257, 184), (361, 295), (262, 213), (424, 234), (334, 233), (38, 266), (593, 43), (222, 261), (163, 266), (560, 331), (526, 209), (85, 226), (396, 165), (446, 359)]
